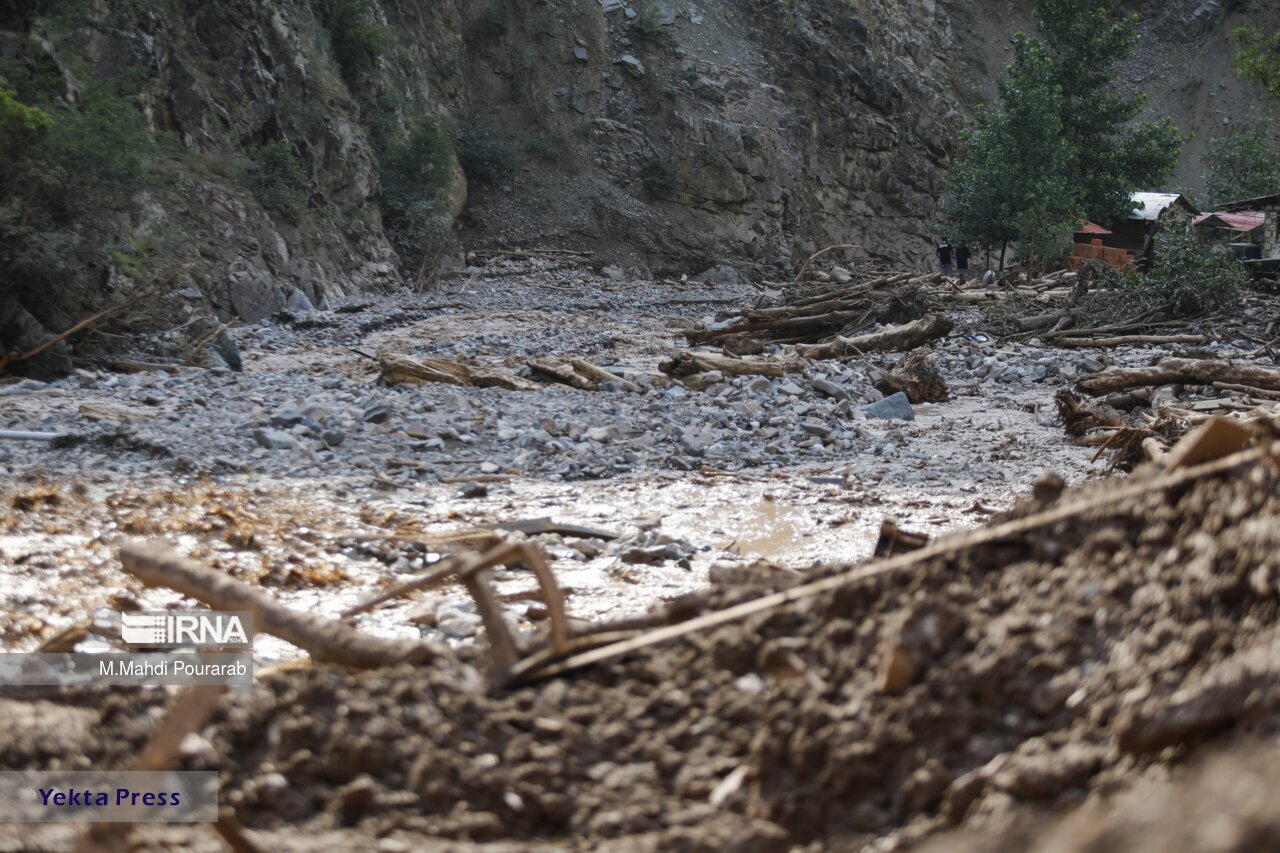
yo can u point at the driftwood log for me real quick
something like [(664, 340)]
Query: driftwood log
[(324, 639), (559, 372), (687, 363), (402, 368), (894, 338), (599, 375), (1182, 371), (1131, 340)]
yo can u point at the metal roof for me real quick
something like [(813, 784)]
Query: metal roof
[(1252, 203), (1149, 206), (1245, 220), (1091, 228)]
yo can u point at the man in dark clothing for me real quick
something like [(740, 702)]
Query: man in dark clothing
[(944, 256), (962, 257)]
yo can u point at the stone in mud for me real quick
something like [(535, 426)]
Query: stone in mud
[(457, 625), (912, 640), (273, 439), (1091, 365), (474, 490), (816, 426), (825, 386), (701, 381), (895, 407)]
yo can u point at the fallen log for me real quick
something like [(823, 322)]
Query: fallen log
[(1181, 371), (1132, 340), (1245, 389), (1041, 321), (901, 338), (398, 368), (687, 363), (402, 368), (561, 373), (324, 639), (600, 375)]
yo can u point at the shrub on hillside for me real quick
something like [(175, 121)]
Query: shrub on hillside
[(485, 153), (279, 180), (416, 177), (357, 37), (650, 25)]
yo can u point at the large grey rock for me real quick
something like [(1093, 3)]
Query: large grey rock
[(273, 439), (895, 407), (254, 294), (632, 65), (831, 389)]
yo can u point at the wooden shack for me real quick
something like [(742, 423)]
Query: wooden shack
[(1136, 233)]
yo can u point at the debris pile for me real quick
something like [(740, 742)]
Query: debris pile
[(960, 681), (1165, 401)]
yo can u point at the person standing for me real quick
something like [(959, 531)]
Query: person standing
[(962, 258), (944, 256)]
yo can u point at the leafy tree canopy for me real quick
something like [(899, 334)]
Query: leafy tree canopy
[(1259, 59), (1244, 165), (1062, 143)]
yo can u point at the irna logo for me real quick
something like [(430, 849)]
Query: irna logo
[(163, 628)]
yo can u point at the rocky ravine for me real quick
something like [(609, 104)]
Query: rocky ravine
[(662, 135)]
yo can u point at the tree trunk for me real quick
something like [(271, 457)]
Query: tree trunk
[(1182, 371), (901, 338)]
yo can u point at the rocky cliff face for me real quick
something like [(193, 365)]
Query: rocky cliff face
[(670, 135)]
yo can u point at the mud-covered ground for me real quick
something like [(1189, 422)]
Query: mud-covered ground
[(1080, 656), (972, 690), (686, 479)]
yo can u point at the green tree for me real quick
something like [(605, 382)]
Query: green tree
[(1111, 155), (1244, 165), (1188, 278), (1010, 185), (1062, 143), (1259, 59)]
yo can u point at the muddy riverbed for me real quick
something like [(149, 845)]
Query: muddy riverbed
[(300, 472)]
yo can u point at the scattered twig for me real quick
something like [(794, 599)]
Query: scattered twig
[(27, 435), (324, 639), (206, 340)]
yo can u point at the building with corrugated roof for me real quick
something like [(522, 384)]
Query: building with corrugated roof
[(1151, 212)]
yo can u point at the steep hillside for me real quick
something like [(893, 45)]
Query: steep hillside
[(1184, 63), (287, 153)]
